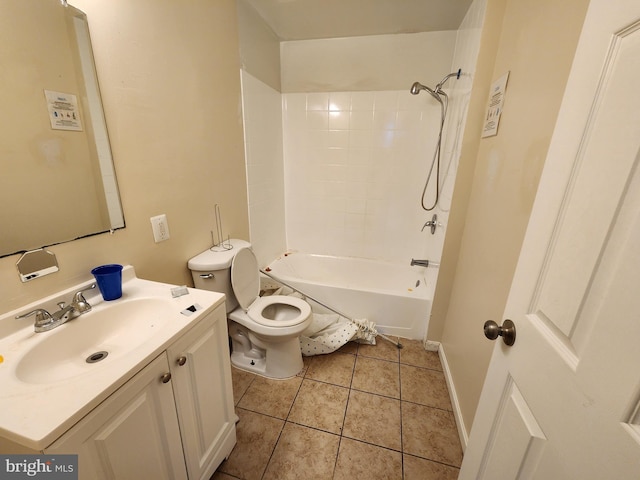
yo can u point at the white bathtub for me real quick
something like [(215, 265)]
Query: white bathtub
[(396, 297)]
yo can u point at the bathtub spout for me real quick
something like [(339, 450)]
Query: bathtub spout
[(424, 263), (420, 263)]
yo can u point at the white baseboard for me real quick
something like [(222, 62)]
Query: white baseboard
[(431, 346), (462, 431)]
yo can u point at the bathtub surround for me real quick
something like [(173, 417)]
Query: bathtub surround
[(348, 158), (262, 117), (355, 159), (355, 163), (347, 150)]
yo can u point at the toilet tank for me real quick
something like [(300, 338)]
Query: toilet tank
[(211, 270), (216, 281)]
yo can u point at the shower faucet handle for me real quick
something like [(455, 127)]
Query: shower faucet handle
[(433, 223)]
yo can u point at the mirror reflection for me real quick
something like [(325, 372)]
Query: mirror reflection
[(58, 181)]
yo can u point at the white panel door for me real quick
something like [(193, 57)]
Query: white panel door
[(563, 402)]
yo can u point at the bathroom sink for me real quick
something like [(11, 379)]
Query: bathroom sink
[(93, 339), (47, 383)]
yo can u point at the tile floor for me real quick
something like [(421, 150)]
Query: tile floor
[(365, 411)]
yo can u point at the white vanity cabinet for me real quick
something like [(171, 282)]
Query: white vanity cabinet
[(132, 434), (201, 377), (173, 420)]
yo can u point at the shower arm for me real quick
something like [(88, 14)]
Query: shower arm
[(439, 86)]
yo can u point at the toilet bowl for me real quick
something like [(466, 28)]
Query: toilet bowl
[(264, 331)]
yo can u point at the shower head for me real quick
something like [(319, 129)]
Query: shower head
[(436, 92), (417, 86)]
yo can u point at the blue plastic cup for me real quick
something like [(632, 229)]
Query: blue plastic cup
[(109, 280)]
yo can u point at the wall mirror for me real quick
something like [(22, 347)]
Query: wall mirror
[(58, 181)]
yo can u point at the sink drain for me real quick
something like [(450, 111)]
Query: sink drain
[(96, 357)]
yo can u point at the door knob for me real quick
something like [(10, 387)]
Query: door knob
[(507, 331)]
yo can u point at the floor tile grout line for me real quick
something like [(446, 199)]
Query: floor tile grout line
[(401, 435), (377, 358), (376, 445), (376, 393), (284, 424), (253, 377), (275, 445), (344, 418), (294, 399), (428, 406), (421, 367), (335, 463), (265, 414), (318, 429), (432, 460)]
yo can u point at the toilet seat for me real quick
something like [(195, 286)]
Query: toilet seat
[(277, 311)]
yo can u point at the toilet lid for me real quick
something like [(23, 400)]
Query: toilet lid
[(245, 277)]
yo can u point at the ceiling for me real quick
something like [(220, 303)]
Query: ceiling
[(308, 19)]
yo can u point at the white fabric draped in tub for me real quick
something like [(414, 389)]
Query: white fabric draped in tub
[(330, 331)]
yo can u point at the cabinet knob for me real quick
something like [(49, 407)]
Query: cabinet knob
[(182, 360), (166, 377)]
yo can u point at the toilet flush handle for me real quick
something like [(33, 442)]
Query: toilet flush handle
[(206, 275)]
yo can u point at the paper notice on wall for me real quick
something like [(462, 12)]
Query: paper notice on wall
[(64, 113), (494, 108)]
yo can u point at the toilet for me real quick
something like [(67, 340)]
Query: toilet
[(264, 331)]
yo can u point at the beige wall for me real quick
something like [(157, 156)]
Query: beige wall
[(535, 41), (169, 76), (373, 62)]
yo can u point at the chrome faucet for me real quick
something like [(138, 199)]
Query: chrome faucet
[(420, 263), (432, 224), (46, 321)]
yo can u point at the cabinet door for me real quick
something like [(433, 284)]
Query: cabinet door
[(203, 393), (133, 434)]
